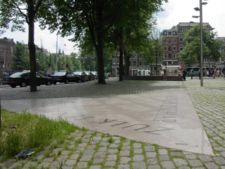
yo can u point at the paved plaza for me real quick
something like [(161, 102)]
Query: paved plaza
[(162, 124)]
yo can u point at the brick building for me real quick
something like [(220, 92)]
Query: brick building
[(173, 41), (7, 47)]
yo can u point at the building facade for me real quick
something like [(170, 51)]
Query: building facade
[(7, 48), (173, 41)]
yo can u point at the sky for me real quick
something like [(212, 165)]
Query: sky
[(43, 38), (174, 11)]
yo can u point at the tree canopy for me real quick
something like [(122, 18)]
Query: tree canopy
[(18, 12), (191, 52), (125, 23), (98, 19)]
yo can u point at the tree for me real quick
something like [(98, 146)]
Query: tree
[(21, 57), (19, 12), (76, 64), (191, 52), (222, 48), (132, 29), (95, 18), (88, 56), (78, 17)]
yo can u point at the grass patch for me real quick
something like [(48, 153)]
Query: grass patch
[(23, 130)]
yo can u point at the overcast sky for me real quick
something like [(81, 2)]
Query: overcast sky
[(174, 11)]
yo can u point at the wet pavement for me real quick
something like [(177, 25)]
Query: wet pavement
[(88, 149), (157, 112)]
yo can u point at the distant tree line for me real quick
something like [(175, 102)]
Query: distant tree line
[(45, 59)]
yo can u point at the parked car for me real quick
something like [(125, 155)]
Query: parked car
[(60, 77), (92, 75), (72, 77), (82, 75), (22, 79)]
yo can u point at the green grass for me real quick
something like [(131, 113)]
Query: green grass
[(23, 130)]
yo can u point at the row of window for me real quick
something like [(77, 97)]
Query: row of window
[(169, 33), (169, 48), (173, 40), (170, 56)]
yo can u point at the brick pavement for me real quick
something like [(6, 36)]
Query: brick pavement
[(85, 149)]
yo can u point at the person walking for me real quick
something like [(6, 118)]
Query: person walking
[(184, 74)]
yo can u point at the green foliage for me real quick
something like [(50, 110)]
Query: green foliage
[(21, 57), (191, 52), (152, 51), (221, 43), (22, 131), (88, 58), (72, 61), (44, 59), (99, 23), (9, 13), (14, 14)]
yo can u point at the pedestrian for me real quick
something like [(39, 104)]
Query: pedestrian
[(165, 71), (191, 73), (207, 73), (184, 74)]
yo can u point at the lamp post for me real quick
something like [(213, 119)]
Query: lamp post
[(201, 38)]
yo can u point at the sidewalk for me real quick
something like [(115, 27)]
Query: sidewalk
[(90, 149)]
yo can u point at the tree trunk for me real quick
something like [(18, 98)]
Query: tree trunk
[(100, 65), (121, 49), (127, 62), (31, 46), (99, 45)]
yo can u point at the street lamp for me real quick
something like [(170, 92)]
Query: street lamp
[(201, 38)]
